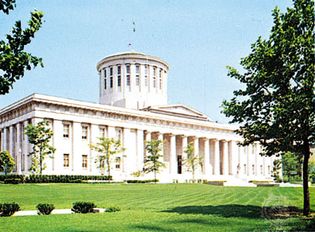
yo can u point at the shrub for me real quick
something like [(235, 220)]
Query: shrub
[(12, 181), (45, 209), (83, 207), (7, 209), (112, 209), (141, 181)]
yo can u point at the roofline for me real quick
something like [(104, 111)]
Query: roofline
[(130, 55)]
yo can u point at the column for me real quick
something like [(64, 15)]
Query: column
[(173, 157), (140, 149), (18, 149), (127, 160), (4, 137), (76, 164), (184, 155), (58, 144), (234, 157), (25, 151), (207, 167), (216, 157), (11, 142), (225, 158), (93, 166), (147, 139)]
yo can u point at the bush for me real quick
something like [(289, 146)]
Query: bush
[(83, 207), (112, 209), (141, 181), (7, 209), (20, 178), (63, 178), (12, 181), (45, 209)]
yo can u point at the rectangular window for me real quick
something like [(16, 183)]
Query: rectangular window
[(111, 82), (84, 132), (160, 78), (261, 170), (119, 76), (154, 77), (105, 79), (102, 164), (111, 71), (269, 170), (117, 162), (253, 169), (138, 75), (119, 134), (146, 73), (84, 161), (66, 161), (128, 75), (102, 132), (245, 171), (66, 130)]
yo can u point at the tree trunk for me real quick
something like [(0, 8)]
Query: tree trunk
[(40, 162), (108, 167), (306, 151)]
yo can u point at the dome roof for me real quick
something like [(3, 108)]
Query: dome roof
[(131, 55)]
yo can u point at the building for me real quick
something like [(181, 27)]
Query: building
[(133, 107)]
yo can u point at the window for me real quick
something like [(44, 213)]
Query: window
[(102, 132), (128, 74), (261, 170), (117, 162), (66, 160), (154, 77), (102, 163), (253, 169), (111, 82), (119, 76), (138, 75), (245, 171), (84, 162), (160, 78), (105, 79), (66, 130), (119, 134), (269, 170), (84, 132), (146, 73)]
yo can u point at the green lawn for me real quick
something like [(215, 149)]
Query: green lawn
[(160, 207)]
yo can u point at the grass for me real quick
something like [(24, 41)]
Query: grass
[(156, 207)]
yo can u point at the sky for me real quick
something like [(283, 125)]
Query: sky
[(197, 38)]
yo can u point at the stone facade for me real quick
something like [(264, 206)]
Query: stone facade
[(78, 124)]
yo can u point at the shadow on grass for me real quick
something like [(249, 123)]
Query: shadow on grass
[(150, 228), (246, 211), (242, 211)]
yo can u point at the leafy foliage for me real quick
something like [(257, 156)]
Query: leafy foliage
[(277, 106), (152, 161), (107, 148), (83, 207), (39, 136), (14, 60), (112, 209), (193, 161), (7, 162), (8, 209), (45, 209)]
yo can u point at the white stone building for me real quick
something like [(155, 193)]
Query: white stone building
[(133, 107)]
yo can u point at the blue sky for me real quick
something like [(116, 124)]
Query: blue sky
[(198, 38)]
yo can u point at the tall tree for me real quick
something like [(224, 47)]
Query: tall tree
[(108, 149), (193, 161), (152, 161), (39, 135), (14, 60), (7, 162), (277, 105)]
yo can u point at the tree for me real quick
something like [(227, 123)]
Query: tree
[(108, 149), (7, 162), (277, 105), (291, 166), (39, 135), (152, 161), (193, 160), (14, 60)]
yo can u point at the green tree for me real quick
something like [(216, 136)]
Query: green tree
[(14, 60), (152, 161), (39, 135), (107, 148), (7, 162), (276, 105), (291, 166), (193, 161)]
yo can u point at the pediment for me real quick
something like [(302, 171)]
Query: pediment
[(178, 111)]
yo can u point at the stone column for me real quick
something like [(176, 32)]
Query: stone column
[(160, 137), (58, 141), (93, 166), (173, 157), (184, 155), (25, 151), (18, 149), (216, 157), (225, 158), (76, 135), (111, 132), (206, 160), (140, 149), (147, 139), (11, 142)]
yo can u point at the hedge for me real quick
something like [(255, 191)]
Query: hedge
[(50, 178)]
